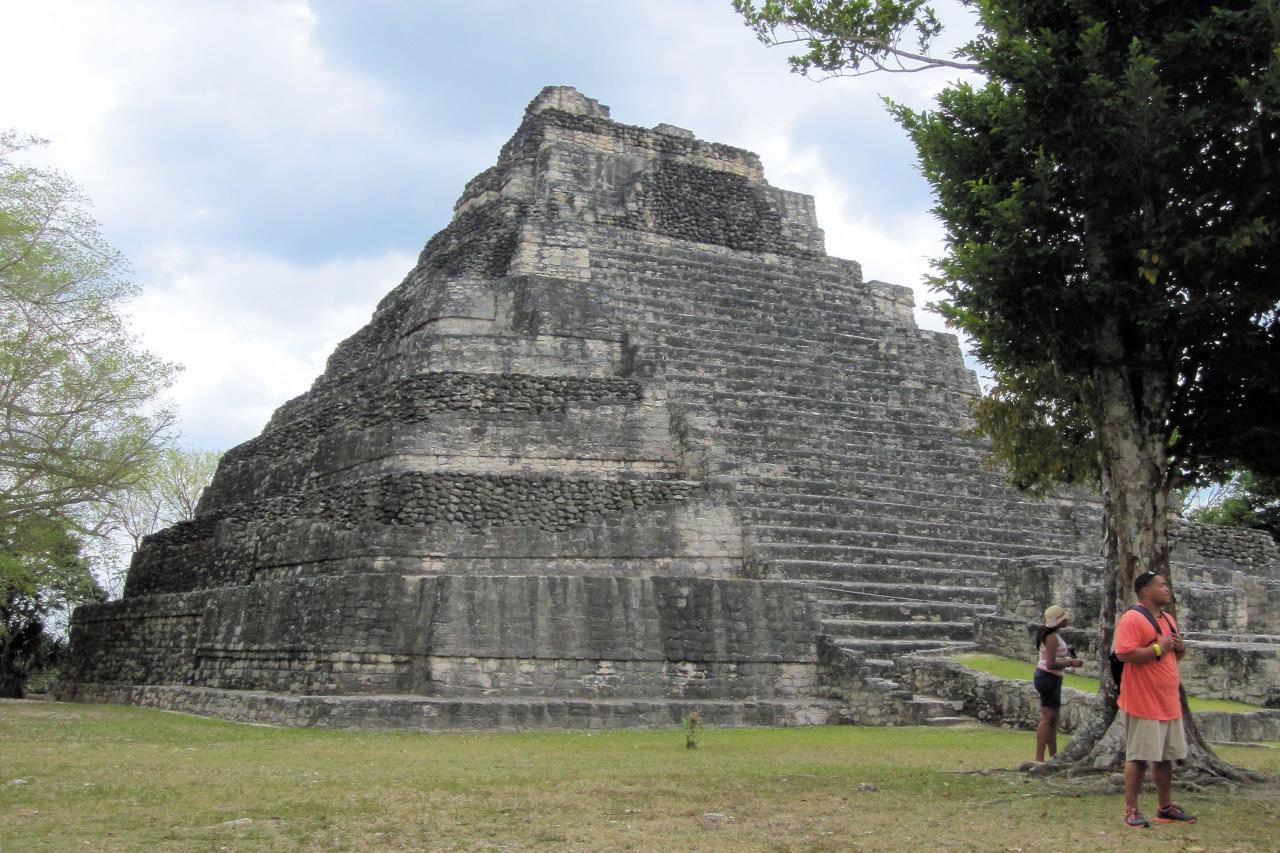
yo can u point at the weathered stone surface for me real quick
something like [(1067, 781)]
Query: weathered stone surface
[(624, 444), (1242, 667), (1016, 703)]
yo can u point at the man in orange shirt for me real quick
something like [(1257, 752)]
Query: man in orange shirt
[(1150, 698)]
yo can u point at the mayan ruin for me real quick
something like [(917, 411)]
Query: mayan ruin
[(626, 444)]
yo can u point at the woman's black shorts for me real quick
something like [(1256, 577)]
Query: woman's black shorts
[(1050, 689)]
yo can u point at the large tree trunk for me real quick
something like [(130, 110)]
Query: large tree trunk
[(1131, 413)]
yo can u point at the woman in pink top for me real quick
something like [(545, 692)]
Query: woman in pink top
[(1055, 657)]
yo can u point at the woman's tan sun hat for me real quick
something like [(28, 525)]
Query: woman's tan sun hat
[(1055, 616)]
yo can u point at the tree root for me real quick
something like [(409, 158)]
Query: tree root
[(1098, 749)]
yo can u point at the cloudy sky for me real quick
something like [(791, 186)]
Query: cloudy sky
[(271, 168)]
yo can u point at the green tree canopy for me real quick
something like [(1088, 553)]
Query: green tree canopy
[(1111, 200), (1247, 500), (79, 419), (167, 494), (42, 572), (78, 398)]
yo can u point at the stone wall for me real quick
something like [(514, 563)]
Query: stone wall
[(604, 637), (1251, 551), (997, 701), (1214, 668), (1209, 598), (1017, 704)]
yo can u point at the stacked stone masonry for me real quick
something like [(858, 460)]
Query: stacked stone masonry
[(624, 444)]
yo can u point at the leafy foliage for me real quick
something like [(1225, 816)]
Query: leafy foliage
[(850, 37), (78, 419), (1111, 205), (77, 395), (168, 493), (1250, 501), (42, 573)]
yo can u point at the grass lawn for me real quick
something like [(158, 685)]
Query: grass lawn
[(80, 777), (1012, 668)]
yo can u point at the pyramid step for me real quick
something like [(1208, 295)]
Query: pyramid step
[(767, 405), (769, 295), (957, 720), (673, 341), (849, 429), (668, 320), (903, 630), (745, 419), (853, 364), (838, 387), (717, 299), (865, 554), (913, 611), (915, 508), (843, 545), (754, 346), (752, 443), (808, 519), (879, 667), (1003, 500), (768, 286), (432, 713), (881, 573), (840, 442), (860, 537), (962, 484), (904, 592), (872, 452), (676, 361), (882, 647), (935, 708)]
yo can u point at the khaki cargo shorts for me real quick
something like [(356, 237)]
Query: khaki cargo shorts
[(1154, 740)]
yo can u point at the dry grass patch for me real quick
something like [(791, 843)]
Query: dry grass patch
[(119, 778)]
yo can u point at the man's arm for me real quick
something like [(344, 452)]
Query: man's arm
[(1142, 654)]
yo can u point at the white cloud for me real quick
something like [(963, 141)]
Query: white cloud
[(131, 94), (251, 331)]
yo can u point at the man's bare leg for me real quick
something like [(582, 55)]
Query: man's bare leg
[(1162, 775), (1134, 771)]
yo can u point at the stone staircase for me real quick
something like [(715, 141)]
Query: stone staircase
[(845, 437)]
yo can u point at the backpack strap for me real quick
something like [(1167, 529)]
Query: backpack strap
[(1147, 613)]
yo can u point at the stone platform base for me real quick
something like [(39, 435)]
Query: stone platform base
[(427, 713)]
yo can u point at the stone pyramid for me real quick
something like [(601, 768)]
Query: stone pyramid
[(625, 443)]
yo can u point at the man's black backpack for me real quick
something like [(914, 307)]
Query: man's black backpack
[(1117, 665)]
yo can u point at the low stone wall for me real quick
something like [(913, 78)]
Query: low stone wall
[(1244, 672), (1216, 598), (1253, 551), (1005, 702), (867, 700), (1223, 727), (993, 700)]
